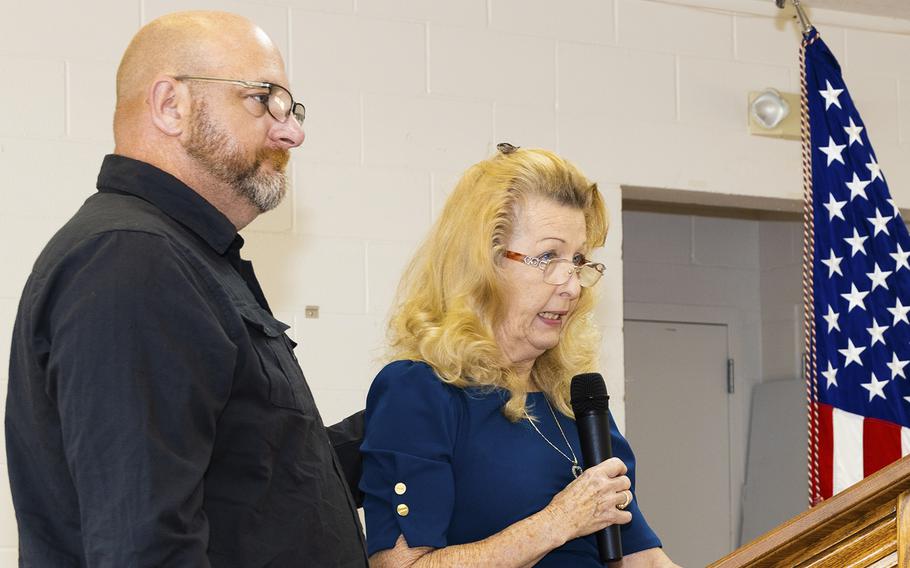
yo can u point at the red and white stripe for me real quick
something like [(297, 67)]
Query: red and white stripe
[(852, 446)]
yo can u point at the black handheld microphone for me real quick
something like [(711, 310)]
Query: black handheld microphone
[(590, 403)]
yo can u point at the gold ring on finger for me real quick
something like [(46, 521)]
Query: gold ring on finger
[(624, 504)]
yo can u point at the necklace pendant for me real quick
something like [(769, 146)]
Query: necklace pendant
[(576, 470)]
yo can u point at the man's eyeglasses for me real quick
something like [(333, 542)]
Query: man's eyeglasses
[(279, 101), (558, 271)]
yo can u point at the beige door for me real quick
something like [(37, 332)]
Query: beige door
[(677, 420)]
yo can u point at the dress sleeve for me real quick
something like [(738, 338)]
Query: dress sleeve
[(636, 535), (411, 424)]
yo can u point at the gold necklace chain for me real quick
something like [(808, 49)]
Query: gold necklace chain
[(576, 469)]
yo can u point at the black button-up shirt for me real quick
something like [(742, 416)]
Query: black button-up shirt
[(156, 413)]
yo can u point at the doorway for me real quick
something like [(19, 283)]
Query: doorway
[(678, 423)]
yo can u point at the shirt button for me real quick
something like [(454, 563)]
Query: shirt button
[(403, 510), (400, 488)]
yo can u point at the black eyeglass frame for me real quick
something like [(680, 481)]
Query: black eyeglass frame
[(293, 108)]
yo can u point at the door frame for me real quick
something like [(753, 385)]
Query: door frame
[(738, 403)]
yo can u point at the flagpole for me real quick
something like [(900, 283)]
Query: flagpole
[(800, 13)]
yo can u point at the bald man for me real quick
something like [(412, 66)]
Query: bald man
[(156, 413)]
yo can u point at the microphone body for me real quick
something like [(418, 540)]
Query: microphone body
[(592, 417)]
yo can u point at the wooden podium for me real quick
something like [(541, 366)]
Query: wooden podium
[(866, 525)]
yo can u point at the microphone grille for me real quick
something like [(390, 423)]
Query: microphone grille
[(589, 393)]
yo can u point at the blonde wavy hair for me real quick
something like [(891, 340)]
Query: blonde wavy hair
[(450, 295)]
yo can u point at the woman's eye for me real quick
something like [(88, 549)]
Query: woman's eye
[(578, 259), (549, 255)]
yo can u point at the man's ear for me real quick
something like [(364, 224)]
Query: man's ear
[(169, 105)]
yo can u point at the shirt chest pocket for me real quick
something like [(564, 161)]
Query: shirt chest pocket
[(286, 384)]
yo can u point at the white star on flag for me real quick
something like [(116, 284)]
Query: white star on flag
[(878, 276), (833, 264), (875, 388), (857, 187), (900, 258), (856, 243), (874, 168), (833, 151), (855, 297), (831, 96), (897, 367), (851, 354), (877, 332), (834, 208), (831, 375), (831, 318), (899, 312), (853, 132), (880, 223)]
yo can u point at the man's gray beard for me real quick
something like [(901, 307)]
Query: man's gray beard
[(265, 190), (218, 153)]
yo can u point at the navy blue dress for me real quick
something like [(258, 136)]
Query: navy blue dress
[(443, 466)]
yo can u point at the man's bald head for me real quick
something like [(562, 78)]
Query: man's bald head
[(188, 43), (219, 138)]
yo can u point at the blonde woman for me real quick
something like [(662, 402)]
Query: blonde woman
[(471, 454)]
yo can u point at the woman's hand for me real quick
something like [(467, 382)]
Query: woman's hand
[(588, 504), (592, 501)]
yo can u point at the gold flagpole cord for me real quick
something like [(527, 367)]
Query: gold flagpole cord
[(808, 286)]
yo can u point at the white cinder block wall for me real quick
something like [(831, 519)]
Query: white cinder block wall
[(402, 96), (781, 250)]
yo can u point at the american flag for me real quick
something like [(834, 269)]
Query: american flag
[(862, 289)]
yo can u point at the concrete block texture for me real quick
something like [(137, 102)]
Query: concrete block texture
[(690, 285), (354, 53), (903, 87), (364, 202), (657, 237), (617, 82), (868, 50), (469, 63), (468, 13), (647, 25), (317, 337), (425, 132), (723, 241), (297, 271), (765, 40), (35, 107), (386, 261), (588, 21), (334, 125), (91, 96), (715, 93), (58, 28), (526, 125)]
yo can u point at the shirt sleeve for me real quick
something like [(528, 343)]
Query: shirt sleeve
[(636, 535), (411, 425), (347, 437), (139, 368)]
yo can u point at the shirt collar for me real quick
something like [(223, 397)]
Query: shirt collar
[(173, 197)]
